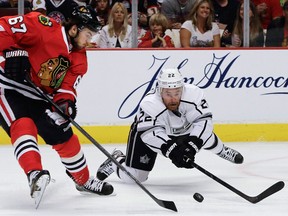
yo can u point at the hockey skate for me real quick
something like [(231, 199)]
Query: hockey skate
[(93, 186), (106, 168), (38, 181), (231, 155)]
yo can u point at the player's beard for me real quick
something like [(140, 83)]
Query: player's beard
[(76, 44), (79, 47), (172, 106)]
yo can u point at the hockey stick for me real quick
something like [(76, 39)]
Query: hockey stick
[(253, 199), (165, 204)]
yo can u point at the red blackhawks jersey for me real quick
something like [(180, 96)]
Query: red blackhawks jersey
[(55, 67)]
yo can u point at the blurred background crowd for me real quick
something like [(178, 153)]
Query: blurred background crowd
[(173, 23)]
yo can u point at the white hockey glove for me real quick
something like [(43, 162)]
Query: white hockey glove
[(56, 119), (68, 108)]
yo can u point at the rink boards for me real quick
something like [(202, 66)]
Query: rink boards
[(246, 90)]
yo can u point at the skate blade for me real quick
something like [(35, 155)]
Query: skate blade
[(98, 195), (43, 181)]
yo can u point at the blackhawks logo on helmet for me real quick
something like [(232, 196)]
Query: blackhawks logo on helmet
[(83, 9)]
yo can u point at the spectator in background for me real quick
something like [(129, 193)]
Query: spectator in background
[(39, 6), (60, 10), (268, 10), (10, 7), (159, 3), (225, 12), (199, 30), (155, 37), (176, 11), (13, 3), (141, 30), (277, 31), (5, 3), (102, 8), (146, 8), (235, 39), (117, 33), (153, 7), (143, 5)]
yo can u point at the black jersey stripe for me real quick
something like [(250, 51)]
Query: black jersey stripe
[(22, 88)]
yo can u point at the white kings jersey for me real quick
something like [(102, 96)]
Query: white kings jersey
[(157, 123)]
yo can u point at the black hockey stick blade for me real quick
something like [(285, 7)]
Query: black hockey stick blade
[(271, 190), (165, 204)]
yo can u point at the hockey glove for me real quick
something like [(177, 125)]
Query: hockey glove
[(176, 153), (182, 153), (57, 120), (68, 108), (194, 144), (17, 64)]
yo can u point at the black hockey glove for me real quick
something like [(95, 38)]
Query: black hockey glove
[(176, 152), (17, 64), (182, 153), (194, 144), (68, 107)]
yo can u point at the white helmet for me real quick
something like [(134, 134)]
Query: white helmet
[(170, 78)]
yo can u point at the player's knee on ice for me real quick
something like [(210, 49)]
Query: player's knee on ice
[(140, 175)]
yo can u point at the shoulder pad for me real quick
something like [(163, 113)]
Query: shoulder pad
[(152, 105)]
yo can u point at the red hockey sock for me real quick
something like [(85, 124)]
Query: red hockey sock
[(73, 159), (23, 133)]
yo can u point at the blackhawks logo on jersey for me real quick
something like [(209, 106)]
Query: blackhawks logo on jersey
[(44, 20), (53, 71)]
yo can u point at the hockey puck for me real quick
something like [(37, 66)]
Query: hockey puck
[(198, 197)]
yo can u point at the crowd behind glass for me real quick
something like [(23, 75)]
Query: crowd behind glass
[(174, 23)]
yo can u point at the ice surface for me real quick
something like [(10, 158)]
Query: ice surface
[(264, 164)]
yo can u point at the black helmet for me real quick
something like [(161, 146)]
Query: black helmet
[(85, 16)]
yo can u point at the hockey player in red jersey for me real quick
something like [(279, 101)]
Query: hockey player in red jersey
[(53, 56), (173, 120)]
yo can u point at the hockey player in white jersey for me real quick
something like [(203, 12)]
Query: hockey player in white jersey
[(173, 120)]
